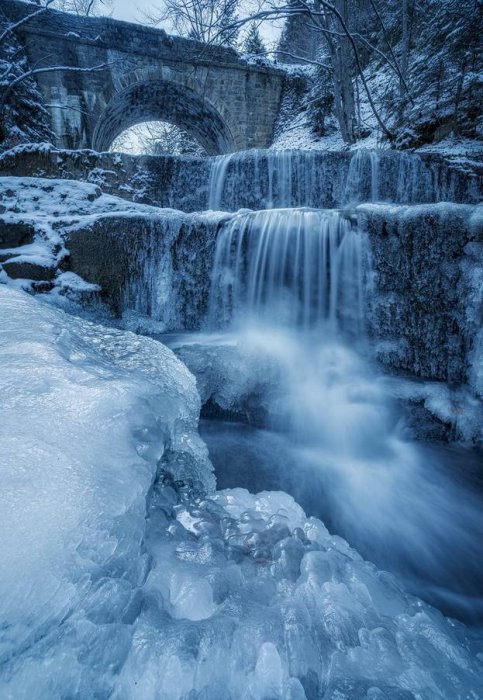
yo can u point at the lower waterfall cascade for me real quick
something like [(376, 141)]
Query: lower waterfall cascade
[(291, 286), (304, 264)]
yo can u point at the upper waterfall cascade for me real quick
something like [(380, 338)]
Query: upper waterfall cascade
[(270, 179)]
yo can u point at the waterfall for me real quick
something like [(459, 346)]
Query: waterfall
[(289, 284), (300, 267), (283, 179), (219, 166), (363, 177), (263, 179)]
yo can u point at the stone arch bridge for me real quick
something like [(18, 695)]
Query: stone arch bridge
[(209, 91)]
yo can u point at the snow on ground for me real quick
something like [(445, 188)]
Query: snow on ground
[(299, 135), (48, 205), (41, 200)]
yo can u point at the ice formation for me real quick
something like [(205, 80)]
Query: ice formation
[(87, 413)]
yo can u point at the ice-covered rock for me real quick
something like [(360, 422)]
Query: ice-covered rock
[(247, 599), (154, 262), (423, 285), (235, 376), (88, 417)]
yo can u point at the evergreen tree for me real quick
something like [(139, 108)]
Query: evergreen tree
[(23, 117), (254, 43)]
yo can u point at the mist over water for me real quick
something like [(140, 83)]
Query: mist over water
[(289, 285)]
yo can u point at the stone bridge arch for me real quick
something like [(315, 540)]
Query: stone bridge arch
[(226, 103), (155, 99)]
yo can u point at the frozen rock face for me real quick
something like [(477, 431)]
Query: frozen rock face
[(179, 182), (140, 260), (425, 312), (89, 415), (155, 265)]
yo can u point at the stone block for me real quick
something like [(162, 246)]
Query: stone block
[(13, 234), (22, 269)]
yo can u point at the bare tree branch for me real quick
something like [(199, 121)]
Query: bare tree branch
[(13, 27), (302, 8)]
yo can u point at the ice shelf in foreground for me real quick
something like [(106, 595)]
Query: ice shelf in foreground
[(114, 584), (86, 414)]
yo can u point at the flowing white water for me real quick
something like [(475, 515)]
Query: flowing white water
[(267, 179), (295, 179), (302, 267), (363, 171), (291, 284), (277, 179), (216, 184)]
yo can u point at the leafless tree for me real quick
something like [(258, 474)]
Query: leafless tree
[(210, 21), (155, 138), (88, 8)]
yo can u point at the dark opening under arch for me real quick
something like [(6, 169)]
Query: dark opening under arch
[(155, 100)]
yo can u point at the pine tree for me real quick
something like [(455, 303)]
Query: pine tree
[(253, 43)]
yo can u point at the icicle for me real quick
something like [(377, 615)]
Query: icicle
[(219, 166), (374, 157)]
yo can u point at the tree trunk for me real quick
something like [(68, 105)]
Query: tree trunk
[(404, 44), (342, 65)]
